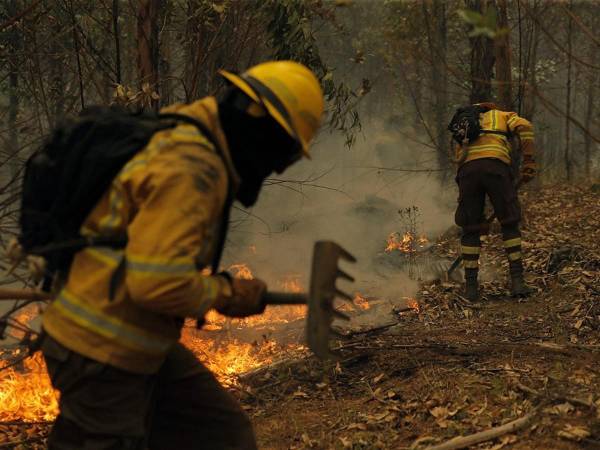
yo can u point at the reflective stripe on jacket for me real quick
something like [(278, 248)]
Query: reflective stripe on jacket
[(490, 145), (124, 307)]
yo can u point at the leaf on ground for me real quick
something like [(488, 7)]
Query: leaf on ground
[(563, 408), (378, 378), (357, 426), (574, 432)]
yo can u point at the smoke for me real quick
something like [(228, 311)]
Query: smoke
[(344, 195)]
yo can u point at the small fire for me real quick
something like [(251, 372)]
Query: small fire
[(413, 304), (26, 392), (361, 302), (406, 243)]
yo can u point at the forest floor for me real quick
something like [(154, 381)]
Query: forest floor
[(458, 368), (453, 368)]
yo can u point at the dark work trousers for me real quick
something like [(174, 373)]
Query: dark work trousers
[(476, 179), (105, 408)]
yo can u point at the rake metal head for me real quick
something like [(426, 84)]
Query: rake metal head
[(323, 291)]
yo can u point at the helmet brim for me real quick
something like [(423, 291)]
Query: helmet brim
[(241, 84)]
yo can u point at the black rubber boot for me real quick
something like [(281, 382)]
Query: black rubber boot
[(518, 288), (471, 285)]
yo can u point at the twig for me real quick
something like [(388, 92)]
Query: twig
[(487, 435), (19, 16), (574, 400), (14, 444)]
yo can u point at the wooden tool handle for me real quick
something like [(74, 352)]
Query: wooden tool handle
[(285, 298), (23, 294)]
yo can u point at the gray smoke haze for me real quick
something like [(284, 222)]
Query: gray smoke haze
[(346, 198)]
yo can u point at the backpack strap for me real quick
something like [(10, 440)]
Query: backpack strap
[(503, 133), (224, 226)]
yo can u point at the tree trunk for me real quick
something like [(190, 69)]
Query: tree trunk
[(529, 79), (147, 44), (14, 46), (589, 114), (503, 58), (440, 82), (166, 55), (117, 35), (482, 59), (567, 155), (56, 72)]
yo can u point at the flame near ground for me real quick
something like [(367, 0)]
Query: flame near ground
[(26, 393)]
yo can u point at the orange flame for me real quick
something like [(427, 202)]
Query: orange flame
[(414, 305), (27, 394), (361, 302), (406, 243)]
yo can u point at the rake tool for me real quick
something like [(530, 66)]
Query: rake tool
[(321, 296)]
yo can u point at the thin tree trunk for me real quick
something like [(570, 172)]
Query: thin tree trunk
[(440, 82), (567, 155), (117, 33), (166, 55), (482, 59), (77, 53), (530, 69), (13, 92), (589, 114), (503, 58), (56, 72), (147, 44)]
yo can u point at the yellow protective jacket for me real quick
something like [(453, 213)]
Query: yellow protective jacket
[(489, 145), (169, 200)]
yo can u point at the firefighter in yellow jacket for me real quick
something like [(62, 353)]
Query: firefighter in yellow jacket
[(485, 169), (111, 334)]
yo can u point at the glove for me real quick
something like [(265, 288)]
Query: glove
[(246, 298)]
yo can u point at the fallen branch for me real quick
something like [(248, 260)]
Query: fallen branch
[(487, 435), (574, 400)]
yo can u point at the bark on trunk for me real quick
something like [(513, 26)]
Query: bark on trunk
[(440, 81), (482, 59), (147, 43), (14, 41), (503, 58), (567, 155)]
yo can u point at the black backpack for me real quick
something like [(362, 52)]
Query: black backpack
[(67, 176), (465, 125)]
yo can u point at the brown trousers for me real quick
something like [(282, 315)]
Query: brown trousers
[(476, 179), (182, 407)]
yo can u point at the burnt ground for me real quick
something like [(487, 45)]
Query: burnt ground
[(454, 368), (457, 368)]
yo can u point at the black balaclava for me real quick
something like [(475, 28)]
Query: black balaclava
[(259, 146)]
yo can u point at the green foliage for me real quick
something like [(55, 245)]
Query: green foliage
[(292, 36), (483, 24)]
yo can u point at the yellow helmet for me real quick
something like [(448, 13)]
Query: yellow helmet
[(291, 94)]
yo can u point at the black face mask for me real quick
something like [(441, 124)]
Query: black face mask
[(259, 146)]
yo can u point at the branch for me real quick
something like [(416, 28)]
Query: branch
[(19, 16), (487, 435)]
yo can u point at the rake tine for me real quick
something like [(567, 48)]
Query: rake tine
[(343, 295), (344, 275), (340, 315), (344, 254)]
